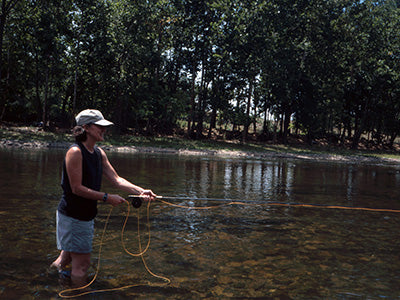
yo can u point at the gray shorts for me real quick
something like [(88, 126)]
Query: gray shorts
[(74, 235)]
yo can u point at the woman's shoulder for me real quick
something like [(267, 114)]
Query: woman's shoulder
[(101, 152), (73, 155), (74, 149)]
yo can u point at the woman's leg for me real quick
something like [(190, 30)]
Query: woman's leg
[(80, 265), (62, 260)]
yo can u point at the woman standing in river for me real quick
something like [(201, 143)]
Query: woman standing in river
[(83, 167)]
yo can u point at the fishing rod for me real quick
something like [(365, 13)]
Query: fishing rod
[(196, 199), (136, 201)]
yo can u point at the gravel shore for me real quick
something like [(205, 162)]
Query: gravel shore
[(355, 159)]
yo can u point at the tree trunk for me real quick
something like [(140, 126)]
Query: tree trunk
[(360, 124), (255, 120), (392, 138), (265, 121), (274, 136), (2, 25), (4, 88), (213, 121), (192, 104), (247, 121), (281, 125), (202, 99), (288, 113), (3, 18), (6, 7), (75, 79), (356, 138), (46, 94), (5, 10), (75, 88)]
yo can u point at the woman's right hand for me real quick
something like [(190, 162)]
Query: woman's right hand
[(115, 199)]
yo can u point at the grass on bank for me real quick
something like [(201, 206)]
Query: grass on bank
[(33, 134)]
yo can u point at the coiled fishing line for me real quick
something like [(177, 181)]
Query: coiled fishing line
[(66, 293), (141, 252)]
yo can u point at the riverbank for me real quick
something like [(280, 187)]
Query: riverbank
[(19, 137)]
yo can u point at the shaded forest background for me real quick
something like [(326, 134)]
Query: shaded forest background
[(232, 69)]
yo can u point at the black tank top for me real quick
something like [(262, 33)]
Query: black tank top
[(72, 205)]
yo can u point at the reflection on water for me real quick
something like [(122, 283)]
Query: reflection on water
[(232, 251)]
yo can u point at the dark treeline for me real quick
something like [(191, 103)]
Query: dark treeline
[(231, 67)]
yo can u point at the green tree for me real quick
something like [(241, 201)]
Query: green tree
[(6, 8), (363, 59)]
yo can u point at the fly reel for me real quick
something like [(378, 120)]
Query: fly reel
[(136, 201)]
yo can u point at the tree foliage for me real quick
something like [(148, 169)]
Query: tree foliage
[(320, 68)]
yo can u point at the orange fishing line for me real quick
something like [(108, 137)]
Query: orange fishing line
[(142, 252), (63, 293)]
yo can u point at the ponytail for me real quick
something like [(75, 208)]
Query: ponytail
[(79, 133)]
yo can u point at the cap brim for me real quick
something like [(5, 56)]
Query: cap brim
[(104, 123)]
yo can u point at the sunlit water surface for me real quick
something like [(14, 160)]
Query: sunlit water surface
[(238, 251)]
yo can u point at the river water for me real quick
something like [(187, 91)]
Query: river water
[(255, 251)]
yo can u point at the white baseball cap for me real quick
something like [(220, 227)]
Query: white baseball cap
[(92, 116)]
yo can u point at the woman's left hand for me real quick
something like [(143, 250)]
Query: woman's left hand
[(148, 195)]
